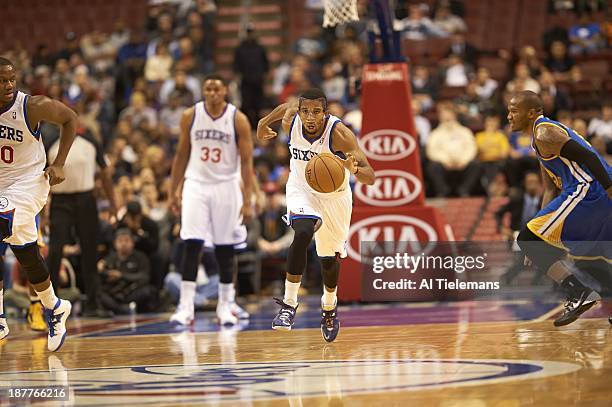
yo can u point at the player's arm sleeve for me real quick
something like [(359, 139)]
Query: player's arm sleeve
[(572, 150)]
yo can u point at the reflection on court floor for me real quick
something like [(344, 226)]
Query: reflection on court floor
[(479, 353)]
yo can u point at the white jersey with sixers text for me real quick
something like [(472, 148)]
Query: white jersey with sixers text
[(302, 149), (22, 154), (214, 153)]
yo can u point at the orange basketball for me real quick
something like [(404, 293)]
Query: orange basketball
[(325, 173)]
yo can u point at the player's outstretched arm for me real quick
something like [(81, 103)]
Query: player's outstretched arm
[(42, 108), (554, 141), (181, 157), (284, 112), (245, 147), (343, 139)]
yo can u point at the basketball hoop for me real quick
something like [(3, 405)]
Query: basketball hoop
[(339, 11)]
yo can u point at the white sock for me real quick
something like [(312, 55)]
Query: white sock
[(328, 300), (291, 293), (1, 301), (188, 289), (226, 292), (47, 297)]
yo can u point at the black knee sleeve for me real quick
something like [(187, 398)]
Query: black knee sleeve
[(330, 268), (32, 263), (5, 230), (541, 253), (209, 260), (226, 259), (191, 258), (296, 256)]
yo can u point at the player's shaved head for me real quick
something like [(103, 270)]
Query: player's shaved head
[(6, 62), (528, 100), (524, 108), (214, 77), (314, 94)]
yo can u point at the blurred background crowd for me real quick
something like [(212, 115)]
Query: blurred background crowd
[(130, 87)]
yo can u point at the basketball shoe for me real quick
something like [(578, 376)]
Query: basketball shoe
[(56, 320), (330, 326), (285, 317), (576, 306), (238, 311), (4, 331), (183, 315), (36, 316), (225, 314)]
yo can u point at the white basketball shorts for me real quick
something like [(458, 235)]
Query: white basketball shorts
[(211, 212), (20, 203), (334, 214)]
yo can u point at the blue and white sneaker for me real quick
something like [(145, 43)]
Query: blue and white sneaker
[(56, 320), (284, 319), (330, 326), (4, 331)]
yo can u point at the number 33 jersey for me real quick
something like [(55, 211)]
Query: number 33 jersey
[(22, 154), (214, 153)]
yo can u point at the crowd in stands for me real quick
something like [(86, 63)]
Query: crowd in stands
[(130, 89)]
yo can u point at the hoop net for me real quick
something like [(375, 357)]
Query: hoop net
[(339, 11)]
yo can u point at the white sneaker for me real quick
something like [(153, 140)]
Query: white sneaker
[(184, 315), (225, 315), (4, 331), (56, 320), (238, 311)]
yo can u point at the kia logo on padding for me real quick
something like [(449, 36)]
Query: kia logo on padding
[(387, 144), (391, 228), (391, 188)]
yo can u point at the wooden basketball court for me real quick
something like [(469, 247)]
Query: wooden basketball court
[(486, 353)]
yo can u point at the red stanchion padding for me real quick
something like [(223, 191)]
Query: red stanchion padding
[(389, 139), (409, 224)]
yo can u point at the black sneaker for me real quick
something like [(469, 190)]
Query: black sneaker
[(329, 324), (285, 317), (574, 307)]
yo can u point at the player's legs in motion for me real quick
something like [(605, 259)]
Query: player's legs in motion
[(4, 330), (580, 298), (189, 269), (296, 265), (56, 310), (330, 268)]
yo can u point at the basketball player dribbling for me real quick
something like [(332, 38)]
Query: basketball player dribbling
[(24, 186), (214, 153), (575, 222), (312, 130)]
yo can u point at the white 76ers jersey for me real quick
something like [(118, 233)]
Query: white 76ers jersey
[(22, 154), (214, 153), (301, 150)]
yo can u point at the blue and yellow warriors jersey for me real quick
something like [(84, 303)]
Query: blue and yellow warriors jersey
[(579, 219)]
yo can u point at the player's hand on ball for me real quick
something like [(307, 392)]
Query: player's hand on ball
[(350, 163), (265, 133), (55, 174), (247, 213)]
